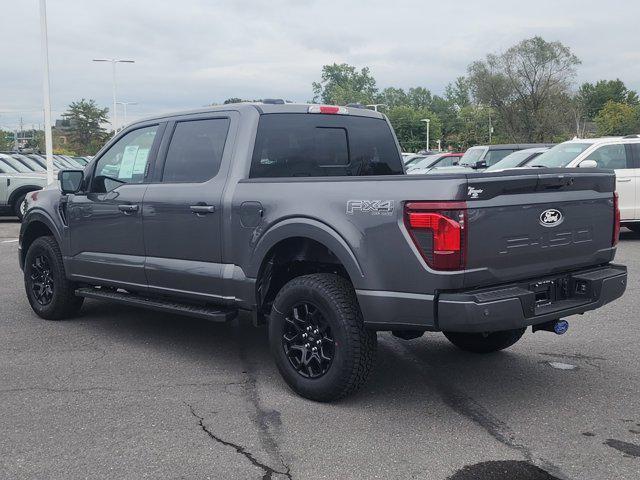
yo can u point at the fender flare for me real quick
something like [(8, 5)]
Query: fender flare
[(303, 227), (38, 215)]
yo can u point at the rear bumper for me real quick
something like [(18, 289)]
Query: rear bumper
[(515, 306), (495, 308)]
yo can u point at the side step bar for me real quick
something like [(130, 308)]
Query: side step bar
[(208, 313)]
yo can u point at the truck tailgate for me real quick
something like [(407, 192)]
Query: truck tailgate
[(529, 225)]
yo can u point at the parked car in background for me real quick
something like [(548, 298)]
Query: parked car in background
[(429, 162), (482, 156), (14, 163), (517, 159), (14, 186), (411, 158), (29, 162), (621, 154)]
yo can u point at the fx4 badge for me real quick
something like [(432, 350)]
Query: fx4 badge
[(551, 218), (474, 192), (372, 207)]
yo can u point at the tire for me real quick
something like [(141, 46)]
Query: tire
[(634, 227), (49, 292), (328, 303), (485, 342), (18, 206)]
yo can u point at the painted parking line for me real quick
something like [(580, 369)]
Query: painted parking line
[(10, 241)]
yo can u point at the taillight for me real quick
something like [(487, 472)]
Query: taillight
[(616, 220), (328, 109), (438, 229)]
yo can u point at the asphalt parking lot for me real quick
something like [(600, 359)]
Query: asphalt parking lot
[(124, 393)]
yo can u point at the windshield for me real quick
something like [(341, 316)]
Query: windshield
[(412, 161), (17, 165), (31, 163), (6, 167), (511, 161), (560, 155), (472, 155), (426, 162)]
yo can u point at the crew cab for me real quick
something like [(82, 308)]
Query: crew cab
[(301, 217)]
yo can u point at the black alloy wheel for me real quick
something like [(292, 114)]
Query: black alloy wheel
[(41, 280), (307, 340)]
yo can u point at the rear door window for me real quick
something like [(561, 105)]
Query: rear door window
[(612, 157), (195, 151), (494, 156), (310, 145)]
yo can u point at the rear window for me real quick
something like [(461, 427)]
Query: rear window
[(316, 145)]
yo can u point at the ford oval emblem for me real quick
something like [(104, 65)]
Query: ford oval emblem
[(551, 218)]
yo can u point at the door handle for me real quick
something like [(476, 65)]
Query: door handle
[(128, 209), (202, 209), (623, 180)]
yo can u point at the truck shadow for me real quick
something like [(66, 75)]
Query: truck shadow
[(408, 373)]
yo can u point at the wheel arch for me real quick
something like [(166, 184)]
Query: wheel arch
[(34, 226), (297, 247)]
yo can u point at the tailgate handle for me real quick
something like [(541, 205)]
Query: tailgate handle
[(556, 182)]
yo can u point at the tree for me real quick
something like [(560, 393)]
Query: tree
[(458, 93), (593, 97), (6, 140), (617, 118), (410, 130), (525, 85), (342, 84), (85, 131)]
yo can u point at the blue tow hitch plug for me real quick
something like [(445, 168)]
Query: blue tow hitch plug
[(560, 327)]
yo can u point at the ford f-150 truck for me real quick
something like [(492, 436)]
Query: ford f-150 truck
[(302, 216)]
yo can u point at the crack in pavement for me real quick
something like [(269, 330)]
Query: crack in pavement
[(268, 471), (589, 360), (468, 407)]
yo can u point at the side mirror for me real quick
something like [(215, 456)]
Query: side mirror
[(70, 180), (588, 164), (480, 164)]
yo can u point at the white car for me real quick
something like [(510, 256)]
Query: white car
[(621, 154)]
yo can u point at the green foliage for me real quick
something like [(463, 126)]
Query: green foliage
[(593, 97), (526, 85), (617, 118), (6, 140), (342, 84), (411, 131), (85, 131)]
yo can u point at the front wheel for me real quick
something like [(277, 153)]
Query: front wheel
[(20, 206), (485, 342), (50, 294), (318, 339)]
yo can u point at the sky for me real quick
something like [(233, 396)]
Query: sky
[(191, 53)]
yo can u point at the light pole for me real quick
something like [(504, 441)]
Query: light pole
[(113, 61), (48, 141), (428, 121), (124, 110)]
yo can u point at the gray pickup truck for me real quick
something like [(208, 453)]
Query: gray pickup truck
[(302, 217)]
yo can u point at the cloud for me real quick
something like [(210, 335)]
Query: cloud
[(194, 52)]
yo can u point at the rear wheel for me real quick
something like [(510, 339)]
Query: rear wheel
[(634, 227), (50, 294), (318, 339), (485, 342)]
